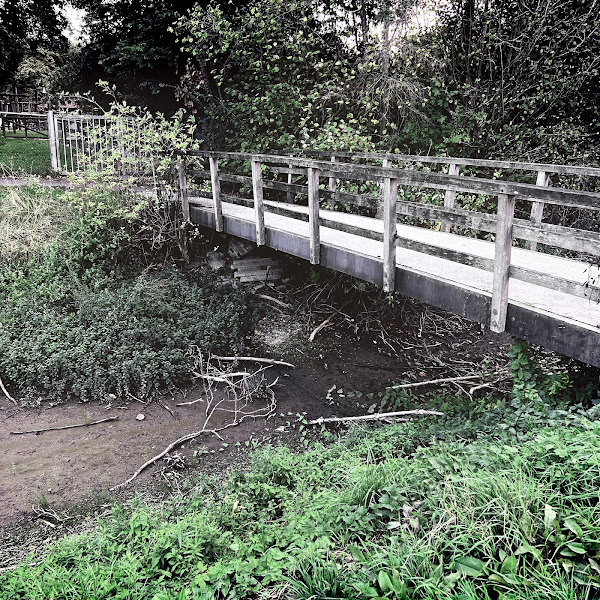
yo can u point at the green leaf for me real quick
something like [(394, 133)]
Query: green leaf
[(509, 565), (468, 565), (576, 547), (574, 527), (549, 517), (385, 583)]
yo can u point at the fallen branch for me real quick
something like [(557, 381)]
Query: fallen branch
[(318, 328), (279, 302), (190, 402), (5, 391), (226, 378), (167, 409), (377, 416), (186, 438), (37, 431), (432, 381), (265, 361)]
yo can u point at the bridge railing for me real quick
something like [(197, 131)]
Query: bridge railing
[(502, 224), (541, 172)]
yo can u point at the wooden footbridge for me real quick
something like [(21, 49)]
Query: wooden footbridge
[(399, 228)]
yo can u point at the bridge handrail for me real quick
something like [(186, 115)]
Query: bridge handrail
[(457, 183), (469, 162)]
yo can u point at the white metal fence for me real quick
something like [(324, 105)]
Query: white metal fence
[(79, 141)]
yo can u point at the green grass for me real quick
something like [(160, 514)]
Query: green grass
[(24, 156), (31, 218), (373, 515)]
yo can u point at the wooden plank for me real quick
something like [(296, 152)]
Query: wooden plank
[(577, 240), (503, 247), (450, 195), (216, 192), (390, 195), (537, 208), (183, 192), (353, 229), (313, 216), (257, 189), (253, 263), (487, 264)]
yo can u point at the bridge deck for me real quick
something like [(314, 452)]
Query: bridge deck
[(565, 323)]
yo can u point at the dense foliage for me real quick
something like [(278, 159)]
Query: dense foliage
[(89, 315), (31, 39), (374, 515)]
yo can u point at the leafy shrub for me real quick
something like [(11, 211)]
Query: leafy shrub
[(61, 337)]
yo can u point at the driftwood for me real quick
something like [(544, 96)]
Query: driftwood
[(225, 378), (377, 416), (264, 361), (5, 391), (432, 381), (37, 431), (238, 392)]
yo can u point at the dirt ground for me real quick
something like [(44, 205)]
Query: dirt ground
[(333, 377)]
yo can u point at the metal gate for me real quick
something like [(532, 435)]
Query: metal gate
[(79, 142)]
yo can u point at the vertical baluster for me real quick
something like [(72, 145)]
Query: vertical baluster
[(333, 186), (450, 196), (216, 192), (537, 208), (390, 196), (289, 193)]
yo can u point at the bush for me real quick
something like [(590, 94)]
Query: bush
[(60, 337), (91, 313)]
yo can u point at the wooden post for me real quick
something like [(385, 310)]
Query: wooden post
[(503, 248), (216, 192), (386, 163), (333, 185), (313, 216), (450, 195), (390, 195), (257, 188), (537, 208), (54, 152), (183, 191), (289, 193)]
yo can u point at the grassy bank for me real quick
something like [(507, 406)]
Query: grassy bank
[(373, 515)]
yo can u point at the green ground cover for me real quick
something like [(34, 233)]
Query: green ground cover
[(375, 514), (91, 304)]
